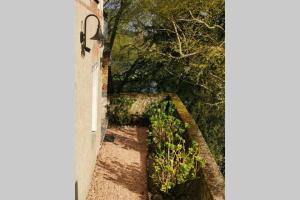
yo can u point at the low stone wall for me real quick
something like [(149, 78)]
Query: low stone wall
[(212, 184)]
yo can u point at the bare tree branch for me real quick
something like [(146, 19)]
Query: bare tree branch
[(178, 38), (202, 22), (217, 77)]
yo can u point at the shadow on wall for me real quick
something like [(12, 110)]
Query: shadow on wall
[(76, 190)]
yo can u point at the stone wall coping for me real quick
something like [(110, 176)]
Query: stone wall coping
[(211, 172)]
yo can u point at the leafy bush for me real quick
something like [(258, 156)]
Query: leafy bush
[(175, 160), (118, 110), (210, 120)]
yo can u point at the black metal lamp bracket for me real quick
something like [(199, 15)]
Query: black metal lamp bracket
[(83, 35)]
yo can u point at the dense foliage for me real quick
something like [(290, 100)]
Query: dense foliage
[(117, 112), (175, 159), (174, 46)]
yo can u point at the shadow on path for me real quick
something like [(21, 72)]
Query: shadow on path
[(120, 171)]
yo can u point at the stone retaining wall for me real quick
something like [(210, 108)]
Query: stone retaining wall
[(212, 184)]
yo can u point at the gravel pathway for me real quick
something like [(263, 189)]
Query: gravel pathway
[(120, 172)]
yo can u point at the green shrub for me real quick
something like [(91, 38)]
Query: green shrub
[(175, 160), (117, 112)]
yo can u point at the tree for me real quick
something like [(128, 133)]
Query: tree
[(177, 46)]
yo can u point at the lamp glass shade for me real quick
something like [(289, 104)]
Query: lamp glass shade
[(98, 36)]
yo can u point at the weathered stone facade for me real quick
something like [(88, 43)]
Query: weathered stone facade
[(90, 99)]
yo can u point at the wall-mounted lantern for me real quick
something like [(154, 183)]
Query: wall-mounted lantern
[(99, 37)]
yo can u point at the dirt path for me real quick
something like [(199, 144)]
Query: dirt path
[(120, 172)]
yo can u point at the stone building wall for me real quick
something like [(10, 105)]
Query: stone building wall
[(89, 99)]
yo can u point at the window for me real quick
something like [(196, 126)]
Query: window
[(95, 88)]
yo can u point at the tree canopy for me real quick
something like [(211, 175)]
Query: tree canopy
[(174, 46)]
